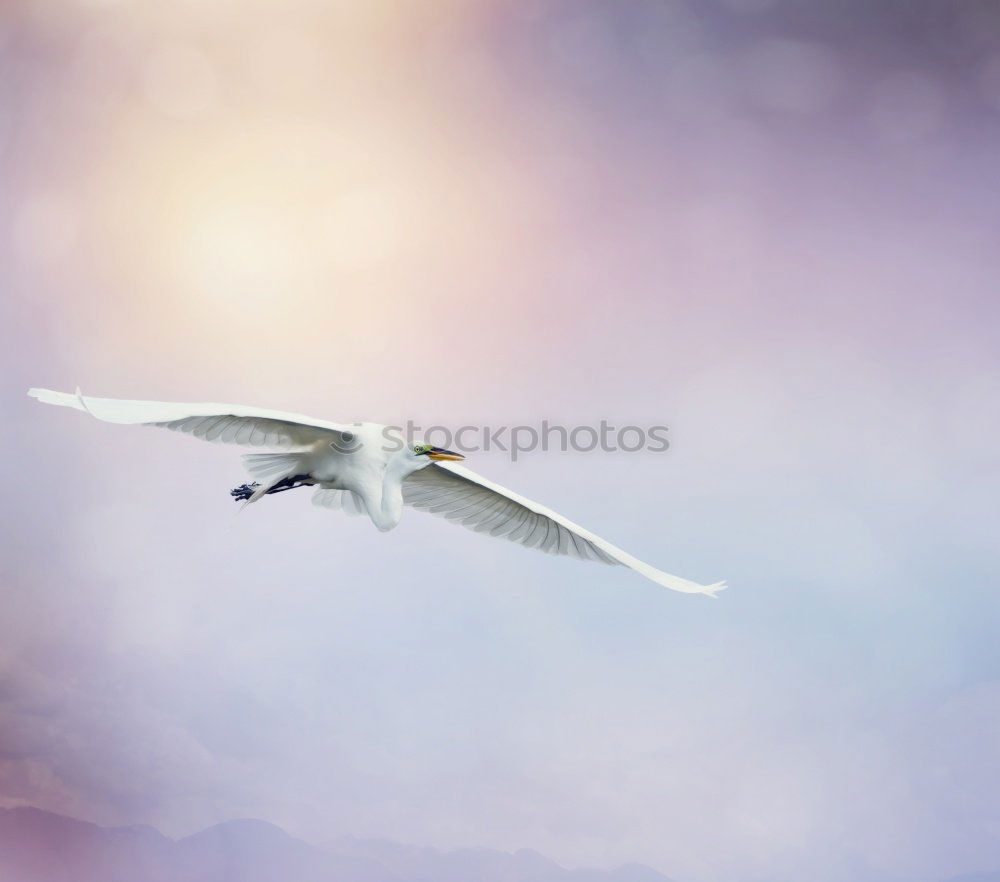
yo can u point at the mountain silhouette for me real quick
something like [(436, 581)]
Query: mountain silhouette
[(976, 877), (39, 846)]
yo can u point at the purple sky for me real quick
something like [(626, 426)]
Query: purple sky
[(768, 224)]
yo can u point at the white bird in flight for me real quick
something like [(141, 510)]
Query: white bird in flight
[(366, 468)]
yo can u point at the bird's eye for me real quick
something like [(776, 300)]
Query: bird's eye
[(347, 436)]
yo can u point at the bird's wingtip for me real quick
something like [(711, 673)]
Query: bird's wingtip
[(714, 589), (62, 399), (46, 396)]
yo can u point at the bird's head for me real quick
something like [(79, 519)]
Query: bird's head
[(423, 455)]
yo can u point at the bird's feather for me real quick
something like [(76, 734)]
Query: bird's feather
[(340, 500)]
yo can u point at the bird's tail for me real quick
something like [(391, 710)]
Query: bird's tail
[(270, 468), (265, 466)]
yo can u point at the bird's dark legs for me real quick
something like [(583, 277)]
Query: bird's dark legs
[(289, 483), (245, 491)]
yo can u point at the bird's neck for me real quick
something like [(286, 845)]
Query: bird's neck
[(385, 500)]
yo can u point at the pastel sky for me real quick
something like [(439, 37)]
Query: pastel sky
[(771, 225)]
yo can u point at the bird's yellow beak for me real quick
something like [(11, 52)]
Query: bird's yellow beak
[(439, 454)]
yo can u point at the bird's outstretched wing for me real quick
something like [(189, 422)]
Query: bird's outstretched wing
[(461, 495), (224, 423)]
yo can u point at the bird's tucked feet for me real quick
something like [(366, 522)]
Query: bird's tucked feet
[(244, 491)]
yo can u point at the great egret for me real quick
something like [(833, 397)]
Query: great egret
[(366, 468)]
